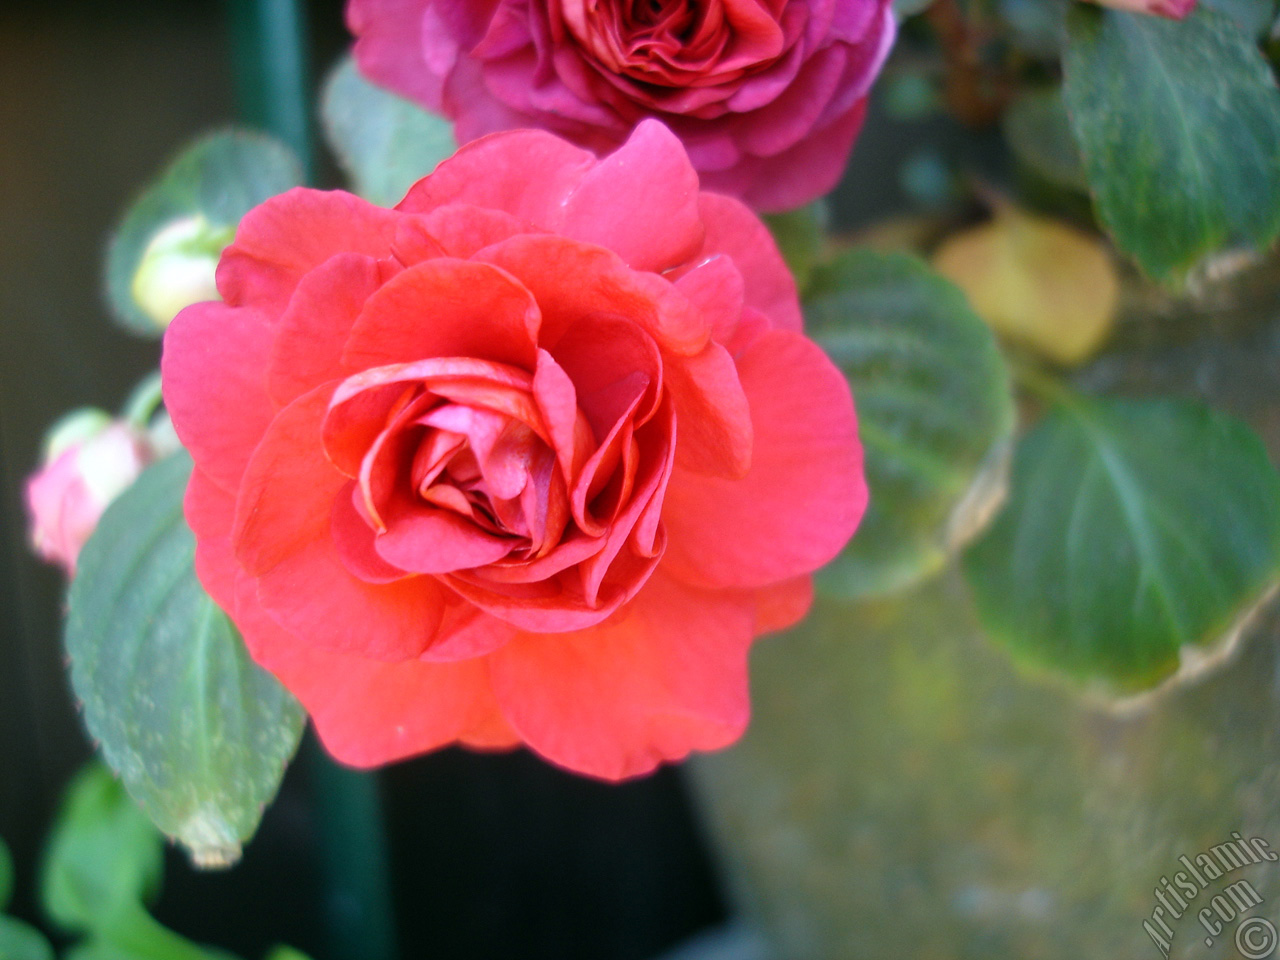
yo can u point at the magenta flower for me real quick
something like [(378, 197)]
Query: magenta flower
[(767, 95)]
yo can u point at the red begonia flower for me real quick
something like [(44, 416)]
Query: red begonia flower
[(530, 458)]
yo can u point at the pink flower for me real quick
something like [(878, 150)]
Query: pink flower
[(1173, 9), (89, 461), (530, 458), (767, 95)]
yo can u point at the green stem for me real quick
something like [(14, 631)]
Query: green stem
[(353, 849)]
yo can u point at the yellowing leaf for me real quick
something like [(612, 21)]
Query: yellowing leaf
[(1038, 282)]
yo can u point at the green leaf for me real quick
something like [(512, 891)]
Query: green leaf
[(935, 413), (6, 876), (286, 953), (1255, 16), (135, 935), (18, 941), (1135, 528), (211, 185), (199, 734), (103, 855), (1179, 125), (1039, 133), (384, 143), (800, 235)]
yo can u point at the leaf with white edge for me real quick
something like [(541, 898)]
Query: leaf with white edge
[(935, 414), (384, 143), (18, 941), (162, 255), (1179, 126), (1137, 536), (104, 855), (199, 734)]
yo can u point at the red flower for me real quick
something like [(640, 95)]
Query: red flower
[(530, 458), (767, 95)]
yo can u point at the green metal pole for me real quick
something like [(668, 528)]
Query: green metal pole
[(273, 87), (269, 47)]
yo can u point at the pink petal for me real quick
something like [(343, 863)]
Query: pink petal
[(715, 288), (640, 202), (768, 286), (388, 47), (215, 370), (279, 241), (810, 169), (526, 173)]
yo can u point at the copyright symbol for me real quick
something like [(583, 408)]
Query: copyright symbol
[(1256, 938)]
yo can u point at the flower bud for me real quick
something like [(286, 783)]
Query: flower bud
[(1173, 9), (89, 459), (178, 266)]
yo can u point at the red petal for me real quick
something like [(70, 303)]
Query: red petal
[(285, 499), (315, 326), (369, 713), (428, 540), (214, 367), (526, 173), (210, 511), (715, 287), (783, 605), (466, 633), (462, 229), (353, 540), (289, 235), (665, 676), (768, 285), (313, 596), (805, 492), (446, 308), (640, 202), (573, 281), (711, 412)]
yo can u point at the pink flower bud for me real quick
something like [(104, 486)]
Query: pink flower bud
[(1173, 9), (89, 460)]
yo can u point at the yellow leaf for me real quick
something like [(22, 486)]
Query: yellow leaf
[(1037, 282)]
